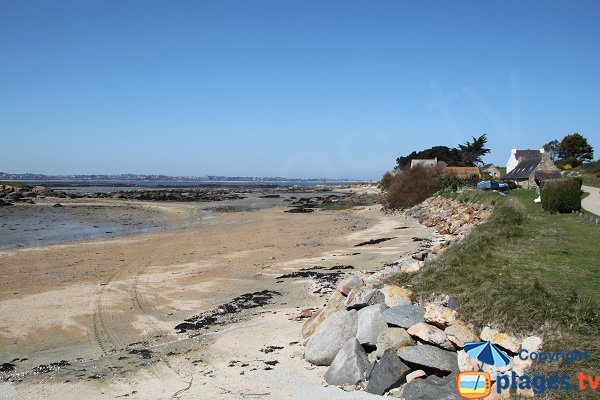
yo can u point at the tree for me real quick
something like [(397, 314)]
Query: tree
[(467, 155), (472, 152), (575, 146), (449, 155), (551, 148)]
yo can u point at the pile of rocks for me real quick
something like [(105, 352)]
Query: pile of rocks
[(187, 194), (13, 193), (449, 216), (380, 341)]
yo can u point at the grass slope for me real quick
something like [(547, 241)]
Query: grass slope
[(525, 271)]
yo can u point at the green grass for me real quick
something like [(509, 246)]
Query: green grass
[(526, 271), (590, 173), (475, 196), (591, 179)]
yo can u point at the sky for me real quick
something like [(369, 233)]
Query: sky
[(335, 89)]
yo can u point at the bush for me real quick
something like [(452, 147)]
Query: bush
[(411, 186), (511, 212), (561, 195), (449, 182), (571, 161), (386, 181)]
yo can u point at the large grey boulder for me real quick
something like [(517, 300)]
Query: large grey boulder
[(362, 297), (431, 388), (370, 324), (349, 366), (430, 357), (388, 373), (404, 316), (330, 336)]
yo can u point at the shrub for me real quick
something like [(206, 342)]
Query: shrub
[(386, 181), (567, 167), (561, 195), (572, 161), (510, 212), (449, 182), (411, 186)]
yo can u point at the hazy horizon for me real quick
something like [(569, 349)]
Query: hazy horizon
[(292, 89)]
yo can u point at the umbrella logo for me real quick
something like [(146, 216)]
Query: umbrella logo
[(478, 384)]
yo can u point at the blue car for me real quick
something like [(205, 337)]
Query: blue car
[(492, 185)]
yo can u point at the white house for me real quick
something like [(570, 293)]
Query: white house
[(516, 154)]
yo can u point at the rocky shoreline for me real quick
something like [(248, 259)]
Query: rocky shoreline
[(377, 338)]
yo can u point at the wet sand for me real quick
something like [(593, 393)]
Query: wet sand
[(109, 307)]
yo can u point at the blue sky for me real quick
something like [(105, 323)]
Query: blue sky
[(288, 88)]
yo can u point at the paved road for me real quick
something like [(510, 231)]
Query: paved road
[(592, 202)]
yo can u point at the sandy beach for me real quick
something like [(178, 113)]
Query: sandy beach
[(96, 319)]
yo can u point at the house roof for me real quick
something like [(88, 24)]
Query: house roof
[(524, 168), (527, 154)]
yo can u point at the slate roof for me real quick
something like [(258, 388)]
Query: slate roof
[(528, 154), (524, 168)]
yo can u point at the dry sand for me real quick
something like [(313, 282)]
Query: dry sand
[(93, 303)]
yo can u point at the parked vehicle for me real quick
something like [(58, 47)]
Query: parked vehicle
[(492, 185)]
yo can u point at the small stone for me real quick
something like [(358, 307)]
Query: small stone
[(503, 340), (404, 316), (420, 256), (370, 324), (439, 315), (412, 267), (430, 334), (349, 365), (330, 336), (429, 356), (415, 375), (392, 338), (388, 373), (459, 334), (396, 295), (363, 297), (350, 283)]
